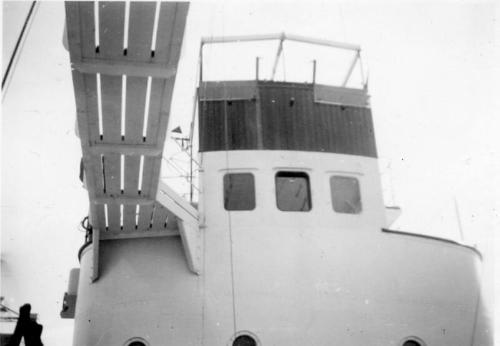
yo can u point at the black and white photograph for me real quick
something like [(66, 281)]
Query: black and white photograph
[(250, 173)]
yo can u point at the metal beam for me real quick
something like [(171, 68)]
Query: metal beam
[(95, 254), (243, 38), (176, 204), (141, 234), (278, 54), (321, 42), (187, 221), (351, 68), (190, 237), (123, 200), (279, 36), (328, 94), (126, 149), (118, 68), (228, 90)]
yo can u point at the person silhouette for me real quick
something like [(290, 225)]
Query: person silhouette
[(27, 328)]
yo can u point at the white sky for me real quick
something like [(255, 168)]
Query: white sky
[(432, 81)]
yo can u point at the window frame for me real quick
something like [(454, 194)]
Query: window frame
[(297, 174), (224, 203), (332, 193)]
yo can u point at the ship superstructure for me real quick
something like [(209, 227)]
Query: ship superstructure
[(289, 242)]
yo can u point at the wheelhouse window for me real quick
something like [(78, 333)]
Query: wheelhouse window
[(239, 191), (292, 191), (346, 197)]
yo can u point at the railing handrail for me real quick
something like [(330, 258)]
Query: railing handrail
[(282, 37), (279, 36)]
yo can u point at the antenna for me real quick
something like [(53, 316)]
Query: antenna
[(457, 212), (186, 146)]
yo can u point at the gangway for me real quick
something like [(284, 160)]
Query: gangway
[(124, 58)]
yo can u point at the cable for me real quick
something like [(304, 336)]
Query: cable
[(6, 308), (87, 227), (231, 256), (18, 43), (85, 223), (226, 139), (203, 104)]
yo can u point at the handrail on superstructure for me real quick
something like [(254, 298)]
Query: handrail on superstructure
[(282, 37)]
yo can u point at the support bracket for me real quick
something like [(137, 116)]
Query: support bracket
[(187, 220)]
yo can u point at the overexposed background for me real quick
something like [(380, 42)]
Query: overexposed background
[(433, 78)]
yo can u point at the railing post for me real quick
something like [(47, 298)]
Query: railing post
[(314, 72), (257, 68), (201, 63)]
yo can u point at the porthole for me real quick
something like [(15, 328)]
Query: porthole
[(412, 341), (244, 338), (136, 342)]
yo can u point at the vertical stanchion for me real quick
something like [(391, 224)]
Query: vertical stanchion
[(257, 68), (314, 72), (201, 63)]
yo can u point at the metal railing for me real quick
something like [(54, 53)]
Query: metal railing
[(281, 37)]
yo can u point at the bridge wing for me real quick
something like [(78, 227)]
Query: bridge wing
[(124, 59)]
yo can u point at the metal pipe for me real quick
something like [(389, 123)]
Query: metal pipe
[(280, 36), (201, 62), (314, 72), (351, 68), (321, 42), (244, 38), (364, 80), (278, 54), (457, 213), (191, 136), (257, 68)]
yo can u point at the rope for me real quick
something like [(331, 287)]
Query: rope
[(19, 44)]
